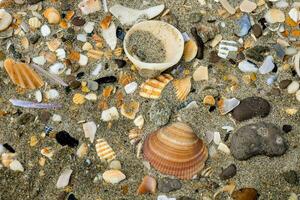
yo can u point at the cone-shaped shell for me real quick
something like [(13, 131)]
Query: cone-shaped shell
[(175, 150), (22, 75)]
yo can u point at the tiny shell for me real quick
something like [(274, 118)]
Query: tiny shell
[(110, 35), (183, 88), (294, 14), (78, 99), (125, 78), (64, 178), (52, 15), (50, 57), (113, 176), (267, 65), (15, 165), (216, 40), (201, 74), (110, 114), (298, 95), (224, 148), (40, 60), (139, 121), (34, 22), (104, 24), (91, 97), (225, 47), (246, 66), (25, 43), (89, 6), (45, 30), (87, 46), (274, 15), (48, 152), (57, 68), (38, 96), (130, 109), (244, 26), (148, 185), (7, 158), (90, 130), (248, 6), (246, 194), (135, 135), (5, 19), (104, 151), (209, 100), (190, 50), (83, 60), (227, 105), (130, 87), (56, 118), (89, 27), (53, 44), (152, 88), (82, 150)]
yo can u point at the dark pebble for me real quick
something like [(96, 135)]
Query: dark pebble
[(69, 79), (291, 177), (280, 51), (120, 33), (44, 116), (200, 43), (195, 17), (25, 118), (78, 21), (185, 198), (166, 185), (34, 38), (121, 63), (107, 79), (257, 139), (245, 194), (9, 148), (72, 197), (257, 30), (17, 55), (64, 138), (251, 107), (263, 23), (213, 57), (228, 172), (287, 128), (31, 2), (75, 85), (79, 75), (240, 56), (275, 92), (257, 53), (284, 83)]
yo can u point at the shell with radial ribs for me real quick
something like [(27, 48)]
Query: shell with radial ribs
[(176, 150), (183, 88), (152, 88), (135, 135), (104, 151), (22, 75)]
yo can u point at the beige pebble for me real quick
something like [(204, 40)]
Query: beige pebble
[(201, 74), (115, 164), (293, 87)]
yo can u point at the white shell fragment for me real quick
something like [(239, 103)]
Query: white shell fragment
[(267, 65), (217, 138), (82, 150), (246, 66), (89, 6), (97, 70), (56, 68), (52, 94), (225, 47), (89, 27), (5, 19), (90, 129), (83, 60), (40, 60), (227, 6), (61, 54), (64, 178), (81, 37), (91, 97), (139, 121), (113, 176), (56, 118), (274, 16), (110, 114), (298, 95), (110, 35), (248, 6), (294, 14), (293, 87), (15, 165), (45, 30), (128, 16), (201, 74), (130, 87), (38, 96), (224, 148), (229, 105), (218, 38)]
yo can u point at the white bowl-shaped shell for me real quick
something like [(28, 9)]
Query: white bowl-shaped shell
[(171, 39)]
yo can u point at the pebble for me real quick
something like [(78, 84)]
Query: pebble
[(34, 38), (248, 6), (89, 27), (251, 107), (284, 83), (38, 96), (40, 60), (25, 118), (64, 138), (258, 139), (290, 51), (92, 85), (83, 60), (298, 95), (291, 177), (81, 37), (45, 30), (115, 164), (256, 53), (195, 17), (56, 68), (44, 116), (274, 15), (201, 74), (245, 194), (130, 87), (159, 113), (78, 21), (56, 118), (52, 94), (267, 65), (287, 128), (166, 185), (228, 172), (244, 26), (246, 66), (293, 87), (121, 63), (75, 84), (257, 30)]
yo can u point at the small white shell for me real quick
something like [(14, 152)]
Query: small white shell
[(139, 121), (5, 19), (61, 54), (64, 178), (15, 165), (57, 68), (38, 96), (267, 65), (97, 70), (52, 94), (246, 66), (45, 30), (110, 36), (130, 87), (293, 87), (113, 176), (225, 47), (39, 60), (83, 60), (48, 152), (91, 97), (228, 105), (81, 37), (224, 148), (56, 118), (82, 150), (110, 114), (90, 129)]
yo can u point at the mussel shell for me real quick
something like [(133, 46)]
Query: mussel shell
[(175, 150)]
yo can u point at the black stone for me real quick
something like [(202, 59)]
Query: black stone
[(166, 185), (72, 197), (106, 79), (9, 148), (34, 38), (199, 42), (284, 83), (64, 138), (257, 30), (257, 53), (287, 128), (120, 33), (79, 75), (291, 177), (121, 63), (228, 172), (78, 21)]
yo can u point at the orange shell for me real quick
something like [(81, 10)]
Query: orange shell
[(183, 88), (52, 15), (148, 185), (106, 22), (22, 75), (176, 150)]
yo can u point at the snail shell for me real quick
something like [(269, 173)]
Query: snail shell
[(176, 150)]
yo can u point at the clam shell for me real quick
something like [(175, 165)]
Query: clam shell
[(5, 19), (175, 150), (152, 88), (22, 75), (148, 185), (190, 50), (183, 88), (104, 151), (113, 176), (52, 15)]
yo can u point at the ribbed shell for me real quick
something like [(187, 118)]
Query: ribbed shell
[(22, 75), (175, 150), (104, 151)]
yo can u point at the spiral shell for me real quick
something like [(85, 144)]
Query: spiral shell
[(22, 75), (175, 150), (104, 151)]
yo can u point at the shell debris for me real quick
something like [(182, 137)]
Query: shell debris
[(104, 151)]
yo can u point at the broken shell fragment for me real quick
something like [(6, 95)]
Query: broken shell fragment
[(110, 35), (227, 6), (90, 129), (82, 150), (7, 158), (52, 15), (201, 74), (130, 109), (34, 22), (190, 50), (5, 19), (89, 6), (248, 6), (15, 165), (104, 151), (22, 75), (105, 23), (209, 100), (148, 185), (135, 135), (176, 150), (274, 15), (48, 152), (64, 178), (227, 105), (110, 114), (139, 121), (113, 176), (183, 88)]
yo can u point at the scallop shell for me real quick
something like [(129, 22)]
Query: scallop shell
[(50, 57), (104, 151), (113, 176), (190, 50), (175, 150), (135, 135), (183, 88), (148, 185), (130, 109), (125, 78), (34, 22), (152, 88), (52, 15), (22, 75)]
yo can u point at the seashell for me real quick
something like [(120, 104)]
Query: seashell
[(25, 43), (119, 98), (118, 51), (89, 129), (91, 97), (128, 16), (227, 6), (229, 188), (22, 75), (57, 68), (274, 15), (175, 150), (267, 65), (110, 114), (52, 15), (225, 47), (7, 158), (190, 50), (248, 6), (82, 150), (294, 14), (224, 148), (89, 6), (87, 46), (183, 88), (293, 196), (207, 172), (53, 44), (95, 54), (69, 15), (201, 74), (52, 94), (217, 39), (45, 30), (131, 87), (34, 22), (74, 56), (209, 100), (139, 121), (40, 60), (246, 194), (78, 99), (125, 78), (152, 88), (227, 105), (104, 24), (170, 37), (83, 60), (48, 152), (135, 135), (113, 176), (64, 178), (15, 165), (56, 118), (60, 54), (110, 35), (130, 109), (107, 91), (148, 185), (5, 19), (89, 27), (38, 96), (244, 26), (50, 57), (104, 151), (293, 87)]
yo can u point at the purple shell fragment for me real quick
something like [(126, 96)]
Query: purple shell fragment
[(30, 104)]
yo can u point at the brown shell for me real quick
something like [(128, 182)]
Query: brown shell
[(148, 185), (190, 50), (22, 75), (106, 22), (176, 150), (183, 88)]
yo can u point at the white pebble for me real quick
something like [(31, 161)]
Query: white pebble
[(38, 96), (56, 118), (97, 70), (217, 138), (267, 65), (81, 37), (293, 87), (83, 60), (61, 54), (130, 87), (89, 27), (224, 148), (115, 164), (52, 94), (64, 178), (91, 97), (45, 30), (15, 165), (110, 114), (298, 95), (56, 68), (40, 60), (139, 121), (246, 66)]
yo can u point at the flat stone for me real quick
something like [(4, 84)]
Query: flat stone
[(228, 172), (159, 113), (166, 185), (284, 83), (25, 118), (291, 177), (258, 139), (251, 107), (44, 116), (257, 30)]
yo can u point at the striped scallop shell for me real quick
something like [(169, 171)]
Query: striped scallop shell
[(183, 88), (104, 151), (175, 150), (135, 135), (22, 75), (153, 88)]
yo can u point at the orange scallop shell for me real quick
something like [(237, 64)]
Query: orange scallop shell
[(176, 150), (22, 75)]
